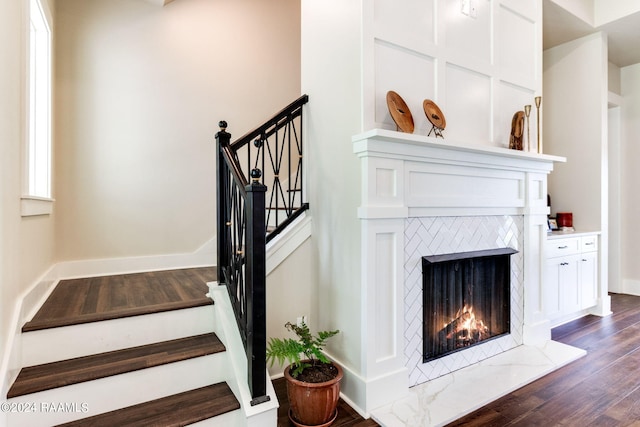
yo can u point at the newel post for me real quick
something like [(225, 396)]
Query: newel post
[(255, 288), (223, 139)]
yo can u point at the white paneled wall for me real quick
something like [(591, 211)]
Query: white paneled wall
[(479, 69)]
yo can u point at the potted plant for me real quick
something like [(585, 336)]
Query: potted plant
[(313, 381)]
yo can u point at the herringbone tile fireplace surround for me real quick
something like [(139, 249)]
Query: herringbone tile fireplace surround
[(442, 235)]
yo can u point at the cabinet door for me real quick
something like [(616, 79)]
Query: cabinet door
[(552, 299), (588, 277), (571, 290), (562, 294)]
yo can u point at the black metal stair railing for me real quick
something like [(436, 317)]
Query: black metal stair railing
[(245, 222)]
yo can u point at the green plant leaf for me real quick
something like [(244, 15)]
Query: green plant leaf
[(290, 350)]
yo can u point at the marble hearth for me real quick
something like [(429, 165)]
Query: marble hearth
[(426, 196)]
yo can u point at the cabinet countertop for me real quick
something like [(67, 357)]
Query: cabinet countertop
[(563, 234)]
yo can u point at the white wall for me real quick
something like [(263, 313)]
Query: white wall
[(289, 294), (330, 76), (630, 202), (607, 11), (141, 89), (575, 98), (613, 74), (616, 213), (26, 244), (576, 127), (583, 9)]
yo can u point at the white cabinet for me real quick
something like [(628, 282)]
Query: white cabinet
[(571, 276)]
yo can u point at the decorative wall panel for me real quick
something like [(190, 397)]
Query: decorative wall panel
[(385, 293), (516, 40), (468, 105), (469, 35), (412, 76), (509, 99), (408, 23), (430, 49)]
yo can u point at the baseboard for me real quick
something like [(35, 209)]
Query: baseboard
[(202, 257), (631, 287), (365, 395), (26, 306)]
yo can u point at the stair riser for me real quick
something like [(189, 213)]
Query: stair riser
[(51, 345), (233, 418), (111, 393)]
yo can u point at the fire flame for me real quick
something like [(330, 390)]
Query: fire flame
[(466, 326)]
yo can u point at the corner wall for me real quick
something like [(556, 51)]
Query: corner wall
[(26, 244), (576, 117), (630, 173), (141, 89)]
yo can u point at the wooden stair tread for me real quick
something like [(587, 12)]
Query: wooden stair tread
[(72, 371), (39, 324), (176, 410)]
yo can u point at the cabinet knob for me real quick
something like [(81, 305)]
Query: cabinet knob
[(563, 247), (564, 263), (588, 243)]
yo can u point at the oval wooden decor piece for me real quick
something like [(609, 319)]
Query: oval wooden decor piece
[(399, 111), (517, 129), (434, 114)]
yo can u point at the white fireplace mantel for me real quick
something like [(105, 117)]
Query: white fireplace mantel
[(406, 176)]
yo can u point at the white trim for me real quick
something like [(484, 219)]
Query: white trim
[(284, 244), (34, 206), (25, 307), (37, 159), (203, 257), (227, 330)]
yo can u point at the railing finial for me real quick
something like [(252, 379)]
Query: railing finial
[(256, 174), (223, 125)]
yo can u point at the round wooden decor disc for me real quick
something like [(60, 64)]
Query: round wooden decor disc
[(434, 114), (399, 111)]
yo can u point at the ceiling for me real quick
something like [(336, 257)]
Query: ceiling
[(560, 26)]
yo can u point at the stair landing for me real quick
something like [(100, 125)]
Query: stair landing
[(94, 299)]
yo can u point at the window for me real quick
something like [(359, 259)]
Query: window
[(37, 187)]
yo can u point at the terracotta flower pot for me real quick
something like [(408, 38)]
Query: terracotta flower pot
[(313, 404)]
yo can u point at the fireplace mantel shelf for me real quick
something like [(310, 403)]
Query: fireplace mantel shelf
[(393, 144), (407, 175)]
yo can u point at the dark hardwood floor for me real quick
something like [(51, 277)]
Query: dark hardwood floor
[(108, 297), (601, 389)]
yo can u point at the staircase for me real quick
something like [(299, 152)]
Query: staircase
[(153, 353)]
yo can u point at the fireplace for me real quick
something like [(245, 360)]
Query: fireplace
[(421, 196), (466, 300)]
